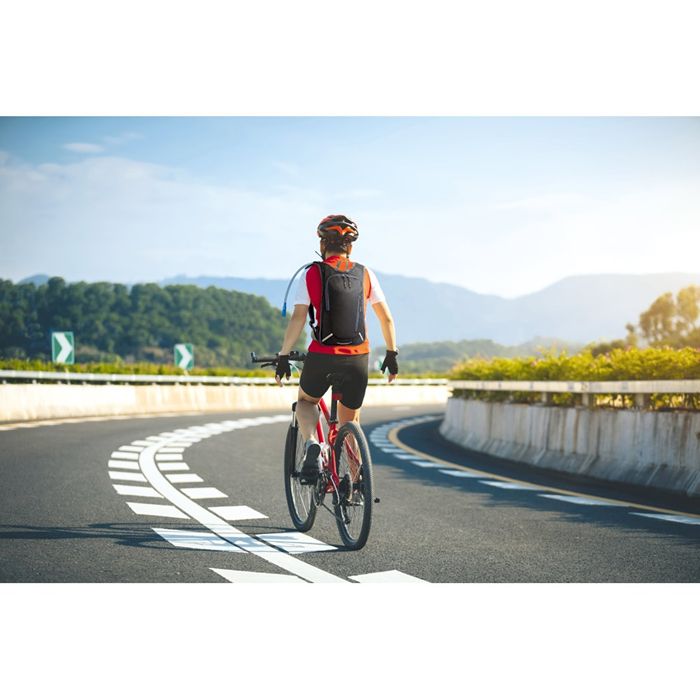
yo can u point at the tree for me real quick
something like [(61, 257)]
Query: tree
[(670, 321)]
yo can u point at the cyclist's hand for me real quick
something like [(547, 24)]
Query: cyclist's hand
[(391, 364), (283, 369)]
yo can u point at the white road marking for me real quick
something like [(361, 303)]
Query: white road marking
[(510, 486), (122, 464), (124, 455), (296, 542), (171, 450), (578, 500), (168, 457), (228, 532), (392, 449), (126, 490), (131, 448), (143, 443), (426, 464), (458, 473), (405, 455), (180, 443), (392, 576), (256, 577), (155, 509), (683, 519), (127, 476), (184, 478), (201, 492), (237, 513), (191, 539), (174, 467)]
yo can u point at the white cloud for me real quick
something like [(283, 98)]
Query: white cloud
[(125, 220), (83, 147)]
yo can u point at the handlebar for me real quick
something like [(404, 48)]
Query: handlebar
[(271, 360)]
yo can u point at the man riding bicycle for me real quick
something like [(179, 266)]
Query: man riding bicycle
[(334, 293)]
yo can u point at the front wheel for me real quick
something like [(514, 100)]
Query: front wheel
[(353, 505), (300, 497)]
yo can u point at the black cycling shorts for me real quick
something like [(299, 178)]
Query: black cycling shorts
[(354, 368)]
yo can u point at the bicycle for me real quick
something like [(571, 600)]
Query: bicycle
[(346, 473)]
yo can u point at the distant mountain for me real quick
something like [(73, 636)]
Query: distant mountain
[(36, 280), (578, 309)]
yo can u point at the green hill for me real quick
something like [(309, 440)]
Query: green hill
[(140, 323)]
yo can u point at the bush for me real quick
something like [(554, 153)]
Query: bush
[(617, 365)]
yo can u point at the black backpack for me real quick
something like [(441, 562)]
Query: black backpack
[(342, 320)]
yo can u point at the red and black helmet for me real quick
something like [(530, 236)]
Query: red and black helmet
[(338, 226)]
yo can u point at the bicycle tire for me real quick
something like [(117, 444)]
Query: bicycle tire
[(300, 497), (354, 514)]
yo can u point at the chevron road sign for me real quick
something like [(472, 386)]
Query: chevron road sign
[(184, 355), (63, 347)]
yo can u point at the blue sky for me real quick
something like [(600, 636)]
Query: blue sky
[(498, 205)]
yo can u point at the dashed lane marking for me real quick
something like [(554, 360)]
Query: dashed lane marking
[(124, 455), (460, 474), (127, 476), (131, 448), (191, 539), (157, 510), (127, 490), (510, 486), (188, 478), (122, 464), (256, 577), (683, 519), (579, 500), (392, 576), (237, 513), (393, 436), (201, 492), (174, 467), (296, 542), (160, 457)]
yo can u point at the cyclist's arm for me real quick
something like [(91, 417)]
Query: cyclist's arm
[(294, 328), (386, 322)]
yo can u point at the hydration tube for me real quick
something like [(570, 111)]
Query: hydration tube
[(286, 294)]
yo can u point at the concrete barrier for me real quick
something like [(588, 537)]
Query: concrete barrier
[(21, 402), (647, 448)]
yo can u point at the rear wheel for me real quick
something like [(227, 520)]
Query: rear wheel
[(300, 497), (353, 510)]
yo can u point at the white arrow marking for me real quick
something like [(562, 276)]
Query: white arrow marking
[(185, 356), (66, 347)]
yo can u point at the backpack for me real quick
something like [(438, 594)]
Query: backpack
[(342, 320)]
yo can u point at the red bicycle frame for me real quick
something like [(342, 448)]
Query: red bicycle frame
[(332, 422)]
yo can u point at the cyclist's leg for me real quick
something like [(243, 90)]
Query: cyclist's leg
[(346, 415), (307, 414)]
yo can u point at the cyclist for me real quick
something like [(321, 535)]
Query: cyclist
[(349, 354)]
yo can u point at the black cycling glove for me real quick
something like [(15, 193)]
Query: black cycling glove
[(390, 362), (283, 368)]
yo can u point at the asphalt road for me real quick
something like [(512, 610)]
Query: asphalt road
[(446, 515)]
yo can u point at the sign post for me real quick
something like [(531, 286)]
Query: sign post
[(63, 347), (184, 356)]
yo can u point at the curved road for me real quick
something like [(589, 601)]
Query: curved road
[(200, 498)]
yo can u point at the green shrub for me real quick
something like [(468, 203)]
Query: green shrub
[(617, 365)]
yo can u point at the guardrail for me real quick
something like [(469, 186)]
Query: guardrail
[(640, 389), (95, 378)]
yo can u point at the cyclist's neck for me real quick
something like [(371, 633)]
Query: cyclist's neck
[(335, 255)]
